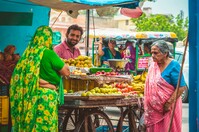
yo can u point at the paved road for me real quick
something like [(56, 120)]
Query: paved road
[(185, 117), (185, 113)]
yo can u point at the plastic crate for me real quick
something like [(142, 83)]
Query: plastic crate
[(96, 69), (4, 110), (105, 129), (4, 90), (4, 128)]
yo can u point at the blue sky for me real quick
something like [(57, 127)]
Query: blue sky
[(168, 6)]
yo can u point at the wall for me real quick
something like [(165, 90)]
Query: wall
[(125, 23), (20, 35)]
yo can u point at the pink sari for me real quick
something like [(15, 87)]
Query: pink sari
[(157, 92)]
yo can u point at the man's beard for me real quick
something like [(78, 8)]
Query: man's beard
[(70, 44)]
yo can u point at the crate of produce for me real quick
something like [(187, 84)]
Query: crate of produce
[(4, 110), (75, 85), (105, 129), (4, 90)]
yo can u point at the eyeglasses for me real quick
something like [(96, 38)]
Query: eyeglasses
[(112, 41)]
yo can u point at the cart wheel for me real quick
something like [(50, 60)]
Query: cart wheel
[(69, 121), (131, 117), (94, 121)]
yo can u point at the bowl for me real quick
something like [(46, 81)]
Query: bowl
[(117, 63)]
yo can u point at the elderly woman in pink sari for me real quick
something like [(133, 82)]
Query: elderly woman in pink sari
[(160, 91)]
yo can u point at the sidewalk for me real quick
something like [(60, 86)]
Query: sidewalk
[(185, 117)]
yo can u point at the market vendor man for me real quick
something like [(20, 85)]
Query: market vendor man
[(67, 48)]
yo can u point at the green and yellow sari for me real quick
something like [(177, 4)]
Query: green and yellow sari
[(33, 108)]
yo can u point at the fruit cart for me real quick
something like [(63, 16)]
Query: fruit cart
[(87, 113)]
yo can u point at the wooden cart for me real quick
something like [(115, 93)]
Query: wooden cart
[(86, 114)]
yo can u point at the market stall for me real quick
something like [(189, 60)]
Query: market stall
[(80, 109), (90, 90)]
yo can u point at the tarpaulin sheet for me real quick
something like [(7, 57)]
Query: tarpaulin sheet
[(85, 4)]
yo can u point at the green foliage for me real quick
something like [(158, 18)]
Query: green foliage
[(165, 23)]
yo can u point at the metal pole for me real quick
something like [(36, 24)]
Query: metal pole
[(87, 31), (178, 85)]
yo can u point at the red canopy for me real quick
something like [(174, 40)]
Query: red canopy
[(133, 13)]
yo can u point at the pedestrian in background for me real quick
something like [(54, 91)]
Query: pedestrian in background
[(129, 53)]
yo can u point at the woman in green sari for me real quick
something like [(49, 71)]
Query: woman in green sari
[(34, 86)]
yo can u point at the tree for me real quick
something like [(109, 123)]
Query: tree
[(160, 22)]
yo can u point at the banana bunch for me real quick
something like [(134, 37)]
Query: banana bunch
[(140, 77), (143, 76), (136, 78), (138, 86), (138, 82)]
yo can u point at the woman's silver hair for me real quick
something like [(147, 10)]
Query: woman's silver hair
[(162, 45)]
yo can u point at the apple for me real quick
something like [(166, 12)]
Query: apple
[(70, 91), (114, 89), (117, 73), (134, 92), (108, 74), (124, 90), (65, 91), (118, 89), (88, 93), (119, 92), (141, 95), (97, 73), (112, 73), (130, 88), (84, 94), (116, 84), (103, 72)]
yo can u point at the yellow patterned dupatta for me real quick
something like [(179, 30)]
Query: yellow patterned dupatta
[(25, 81)]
